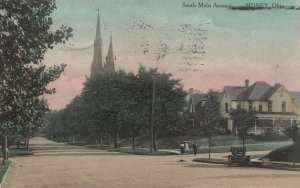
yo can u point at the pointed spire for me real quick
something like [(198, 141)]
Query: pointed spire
[(98, 37), (97, 65), (110, 58), (110, 49)]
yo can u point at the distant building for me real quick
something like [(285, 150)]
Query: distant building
[(98, 65), (275, 107), (195, 100)]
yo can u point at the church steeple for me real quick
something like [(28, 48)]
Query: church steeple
[(97, 65), (110, 58)]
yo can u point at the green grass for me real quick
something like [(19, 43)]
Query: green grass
[(262, 142), (3, 169), (285, 154), (144, 151), (13, 152), (136, 151)]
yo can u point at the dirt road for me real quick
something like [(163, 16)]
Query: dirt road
[(62, 166)]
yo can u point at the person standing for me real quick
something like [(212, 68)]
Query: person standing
[(195, 147)]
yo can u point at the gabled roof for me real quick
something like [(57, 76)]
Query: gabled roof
[(233, 91), (255, 92), (198, 97), (258, 91), (296, 95), (271, 91), (194, 99)]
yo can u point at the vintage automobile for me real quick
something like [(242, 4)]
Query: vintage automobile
[(238, 156)]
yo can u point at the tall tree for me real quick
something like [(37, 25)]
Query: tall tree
[(25, 36), (168, 104), (211, 116), (243, 121)]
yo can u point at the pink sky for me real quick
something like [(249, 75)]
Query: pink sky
[(255, 45)]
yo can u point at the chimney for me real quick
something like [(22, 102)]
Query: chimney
[(277, 84), (246, 83), (191, 90)]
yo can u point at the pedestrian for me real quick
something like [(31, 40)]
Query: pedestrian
[(195, 147), (181, 146)]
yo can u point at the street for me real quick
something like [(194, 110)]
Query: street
[(58, 165)]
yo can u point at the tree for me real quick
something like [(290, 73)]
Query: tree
[(243, 121), (211, 116), (109, 95), (30, 126), (293, 132), (121, 102), (54, 123), (169, 101), (76, 118), (25, 36)]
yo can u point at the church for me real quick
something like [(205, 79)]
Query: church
[(98, 65)]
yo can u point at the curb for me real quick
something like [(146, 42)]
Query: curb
[(256, 165), (5, 176)]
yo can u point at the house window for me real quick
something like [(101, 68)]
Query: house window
[(239, 105), (269, 106), (250, 105), (281, 93), (260, 107), (283, 106), (226, 107)]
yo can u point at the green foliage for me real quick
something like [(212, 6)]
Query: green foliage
[(210, 114), (3, 168), (169, 101), (293, 132), (285, 154), (120, 103), (24, 39), (243, 120)]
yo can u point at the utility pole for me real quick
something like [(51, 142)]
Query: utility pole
[(152, 116)]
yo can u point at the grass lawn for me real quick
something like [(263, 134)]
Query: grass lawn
[(3, 169), (13, 152), (144, 151), (285, 154)]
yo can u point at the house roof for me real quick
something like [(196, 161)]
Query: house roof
[(271, 91), (193, 99), (198, 97), (255, 92), (234, 91), (296, 95)]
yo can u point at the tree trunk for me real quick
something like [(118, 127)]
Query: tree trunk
[(116, 140), (27, 144), (101, 142), (209, 146), (294, 154), (133, 142), (108, 143), (243, 141), (155, 142), (25, 139)]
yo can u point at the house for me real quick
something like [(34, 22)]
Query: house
[(195, 100), (275, 107)]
